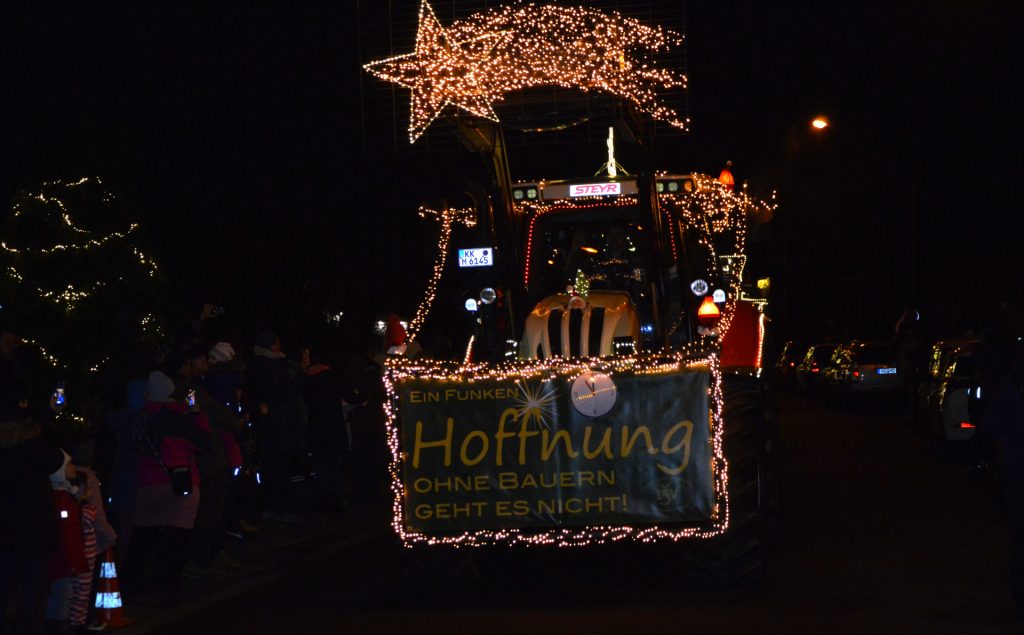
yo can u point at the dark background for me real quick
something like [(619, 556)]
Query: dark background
[(233, 135)]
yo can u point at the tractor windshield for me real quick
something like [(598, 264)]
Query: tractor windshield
[(586, 250)]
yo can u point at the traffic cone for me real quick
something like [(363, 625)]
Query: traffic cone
[(109, 610)]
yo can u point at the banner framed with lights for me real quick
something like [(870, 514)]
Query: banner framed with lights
[(556, 452)]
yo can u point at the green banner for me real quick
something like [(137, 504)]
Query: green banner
[(625, 449)]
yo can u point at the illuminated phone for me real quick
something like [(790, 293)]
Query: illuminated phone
[(190, 399), (58, 394)]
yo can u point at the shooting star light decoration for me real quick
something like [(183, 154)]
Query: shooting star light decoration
[(473, 63)]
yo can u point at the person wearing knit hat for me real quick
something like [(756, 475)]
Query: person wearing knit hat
[(159, 388), (267, 341), (69, 558), (168, 492), (59, 478), (213, 464), (221, 352)]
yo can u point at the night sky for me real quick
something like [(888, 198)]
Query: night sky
[(233, 135)]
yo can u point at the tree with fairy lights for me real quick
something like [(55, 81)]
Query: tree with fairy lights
[(75, 285)]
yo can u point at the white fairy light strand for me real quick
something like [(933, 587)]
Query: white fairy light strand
[(473, 63), (400, 369), (448, 218)]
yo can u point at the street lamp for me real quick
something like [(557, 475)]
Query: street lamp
[(803, 170)]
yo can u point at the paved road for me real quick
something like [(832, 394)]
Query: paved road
[(879, 538)]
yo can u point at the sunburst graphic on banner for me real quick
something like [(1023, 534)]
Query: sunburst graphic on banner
[(536, 404)]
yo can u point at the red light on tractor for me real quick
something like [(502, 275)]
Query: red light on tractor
[(966, 425), (708, 313), (726, 178)]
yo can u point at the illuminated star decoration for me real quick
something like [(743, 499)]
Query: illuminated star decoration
[(473, 63)]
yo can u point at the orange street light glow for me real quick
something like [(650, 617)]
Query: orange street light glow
[(819, 123)]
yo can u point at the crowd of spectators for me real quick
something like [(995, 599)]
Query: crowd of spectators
[(213, 438)]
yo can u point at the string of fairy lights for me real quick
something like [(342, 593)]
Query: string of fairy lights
[(722, 213), (67, 297), (719, 209), (691, 358), (49, 203), (448, 219), (474, 62)]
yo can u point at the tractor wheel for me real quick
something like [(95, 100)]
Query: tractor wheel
[(737, 557), (769, 490)]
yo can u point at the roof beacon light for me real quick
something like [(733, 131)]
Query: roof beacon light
[(708, 313), (726, 178)]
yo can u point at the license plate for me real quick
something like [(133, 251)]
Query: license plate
[(885, 371), (482, 257)]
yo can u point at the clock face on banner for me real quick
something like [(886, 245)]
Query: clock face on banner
[(593, 394)]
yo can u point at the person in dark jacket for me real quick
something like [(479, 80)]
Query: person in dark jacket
[(214, 466), (1003, 427), (324, 393), (124, 472), (225, 381), (28, 532), (274, 392)]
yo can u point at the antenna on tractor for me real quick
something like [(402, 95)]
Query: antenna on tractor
[(612, 165)]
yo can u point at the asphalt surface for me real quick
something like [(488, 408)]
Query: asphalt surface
[(882, 535)]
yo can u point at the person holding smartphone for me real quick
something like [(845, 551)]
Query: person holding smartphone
[(207, 546), (168, 494)]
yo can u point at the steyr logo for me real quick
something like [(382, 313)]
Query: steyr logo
[(595, 189)]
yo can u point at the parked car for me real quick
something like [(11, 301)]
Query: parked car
[(937, 361), (860, 369), (808, 371), (784, 371), (948, 406)]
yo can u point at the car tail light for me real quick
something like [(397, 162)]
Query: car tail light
[(966, 425), (792, 364), (856, 373), (815, 369)]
